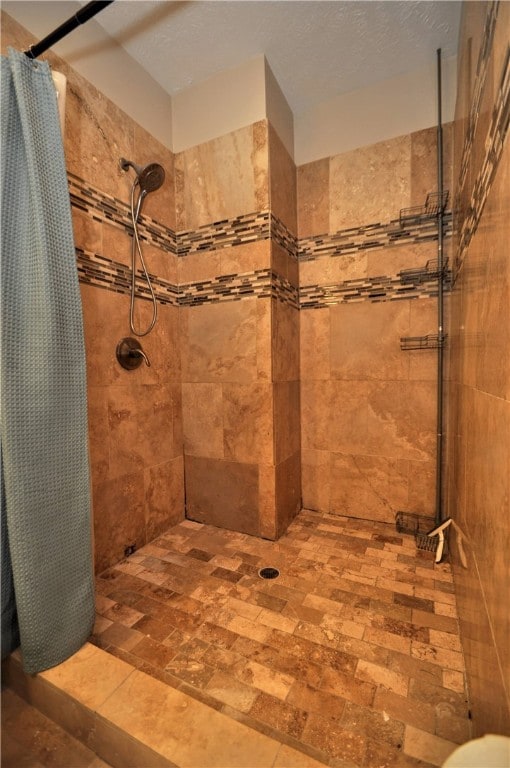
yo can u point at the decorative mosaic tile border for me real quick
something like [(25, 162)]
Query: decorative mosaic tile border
[(248, 228), (494, 143), (284, 237), (98, 270), (354, 240), (376, 289), (227, 288), (103, 272), (102, 207), (479, 85)]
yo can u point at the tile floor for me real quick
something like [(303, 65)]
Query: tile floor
[(351, 655)]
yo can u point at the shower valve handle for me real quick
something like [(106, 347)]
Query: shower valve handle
[(140, 353), (130, 354)]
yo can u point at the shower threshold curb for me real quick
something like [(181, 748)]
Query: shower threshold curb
[(130, 719)]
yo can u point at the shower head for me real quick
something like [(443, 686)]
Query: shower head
[(149, 177)]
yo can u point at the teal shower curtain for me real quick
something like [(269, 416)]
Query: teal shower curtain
[(47, 579)]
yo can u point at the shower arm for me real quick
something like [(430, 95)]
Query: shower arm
[(80, 17)]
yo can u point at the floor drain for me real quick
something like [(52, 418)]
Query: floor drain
[(269, 573)]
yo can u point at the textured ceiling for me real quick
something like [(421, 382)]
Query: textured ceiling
[(317, 49)]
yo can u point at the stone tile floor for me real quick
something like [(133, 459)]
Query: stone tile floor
[(351, 655)]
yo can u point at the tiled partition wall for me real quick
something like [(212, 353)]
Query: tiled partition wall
[(134, 416), (479, 390), (235, 200), (368, 409)]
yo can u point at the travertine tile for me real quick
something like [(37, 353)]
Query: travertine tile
[(158, 715), (331, 638), (425, 746), (89, 676), (393, 681)]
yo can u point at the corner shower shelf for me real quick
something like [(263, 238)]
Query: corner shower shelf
[(434, 205), (432, 341), (430, 271), (417, 526)]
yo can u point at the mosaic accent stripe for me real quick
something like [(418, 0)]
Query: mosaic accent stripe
[(227, 288), (372, 236), (494, 143), (102, 272), (375, 289), (284, 237), (106, 208), (98, 270), (479, 86), (249, 228)]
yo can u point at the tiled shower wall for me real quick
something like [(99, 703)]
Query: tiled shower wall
[(135, 429), (368, 409), (239, 331), (478, 456)]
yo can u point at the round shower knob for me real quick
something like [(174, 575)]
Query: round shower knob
[(130, 354)]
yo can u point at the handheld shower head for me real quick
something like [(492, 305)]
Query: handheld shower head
[(149, 177)]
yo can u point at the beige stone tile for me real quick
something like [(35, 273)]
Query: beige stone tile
[(89, 676), (140, 419), (277, 621), (425, 746), (313, 198), (444, 657), (330, 270), (370, 184), (217, 180), (401, 419), (393, 681), (392, 259), (282, 182), (248, 422), (267, 502), (454, 680), (315, 343), (444, 609), (328, 736), (220, 342), (354, 327), (263, 340), (230, 691), (387, 640), (374, 487), (223, 493), (247, 628), (423, 171), (244, 609), (287, 756), (244, 258), (197, 267), (270, 681), (164, 494), (286, 340), (122, 520), (158, 715), (288, 490), (418, 714), (286, 407), (202, 406), (445, 640), (315, 479), (345, 408)]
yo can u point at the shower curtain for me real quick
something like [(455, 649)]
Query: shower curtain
[(47, 579)]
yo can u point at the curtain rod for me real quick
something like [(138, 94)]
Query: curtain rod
[(83, 15)]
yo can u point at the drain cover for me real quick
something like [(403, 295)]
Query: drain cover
[(269, 573)]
